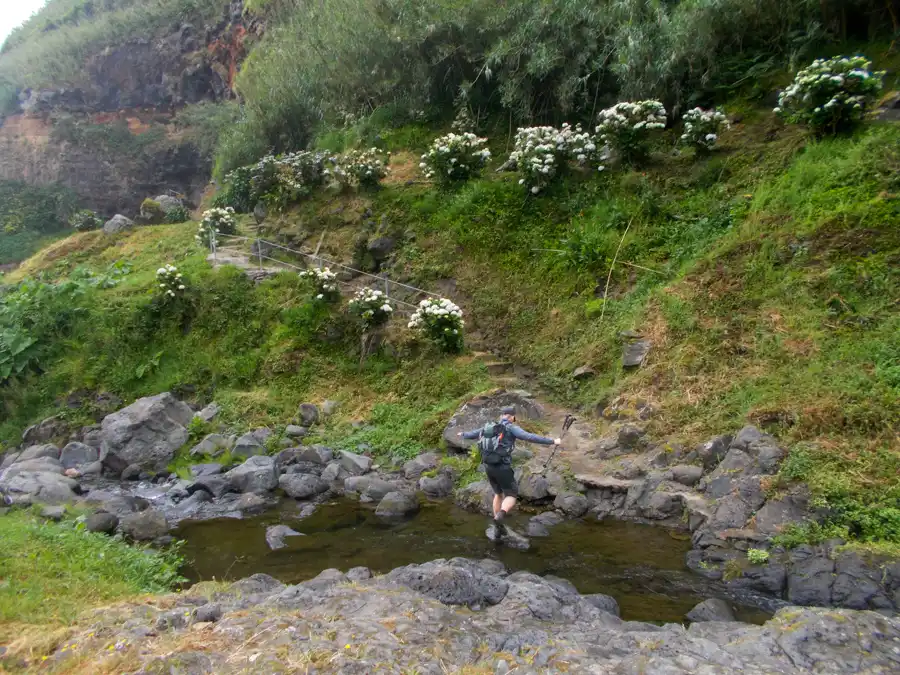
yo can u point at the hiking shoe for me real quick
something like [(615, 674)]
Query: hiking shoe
[(492, 532), (500, 527)]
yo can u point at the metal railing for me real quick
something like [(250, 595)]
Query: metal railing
[(232, 241)]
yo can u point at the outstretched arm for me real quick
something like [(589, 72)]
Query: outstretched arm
[(471, 435), (523, 435)]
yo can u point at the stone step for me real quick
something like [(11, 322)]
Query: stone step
[(604, 482)]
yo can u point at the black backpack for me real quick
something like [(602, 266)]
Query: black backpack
[(495, 443)]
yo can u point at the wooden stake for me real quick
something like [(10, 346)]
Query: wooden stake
[(612, 265)]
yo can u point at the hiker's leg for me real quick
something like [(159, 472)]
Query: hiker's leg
[(498, 502), (508, 504)]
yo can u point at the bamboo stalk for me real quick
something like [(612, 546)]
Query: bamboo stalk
[(611, 266)]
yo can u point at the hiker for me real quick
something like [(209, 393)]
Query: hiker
[(496, 442)]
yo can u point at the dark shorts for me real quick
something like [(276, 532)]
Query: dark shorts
[(502, 479)]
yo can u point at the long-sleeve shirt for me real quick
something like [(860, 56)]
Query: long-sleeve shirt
[(518, 433)]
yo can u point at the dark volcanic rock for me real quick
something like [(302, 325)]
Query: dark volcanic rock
[(713, 609)]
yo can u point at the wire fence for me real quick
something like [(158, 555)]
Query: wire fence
[(257, 252)]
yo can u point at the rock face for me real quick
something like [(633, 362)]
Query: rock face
[(483, 409), (148, 432), (539, 624)]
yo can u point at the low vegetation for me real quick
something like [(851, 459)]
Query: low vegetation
[(52, 572)]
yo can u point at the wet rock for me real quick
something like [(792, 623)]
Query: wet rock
[(605, 603), (276, 533), (353, 464), (208, 613), (144, 525), (112, 464), (76, 455), (105, 523), (477, 496), (55, 513), (482, 409), (308, 414), (368, 488), (359, 574), (118, 223), (148, 432), (415, 467), (252, 443), (294, 431), (208, 413), (634, 353), (257, 474), (686, 474), (509, 538), (39, 452), (712, 609), (439, 487), (810, 577), (201, 470), (713, 451), (573, 504), (302, 485), (451, 584), (539, 525), (396, 505), (215, 485), (252, 503), (131, 472)]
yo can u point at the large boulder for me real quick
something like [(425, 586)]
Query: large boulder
[(118, 223), (307, 414), (76, 455), (479, 411), (415, 467), (213, 445), (477, 496), (144, 525), (148, 432), (368, 488), (38, 451), (397, 505), (50, 429), (572, 504), (257, 474), (302, 485), (713, 609), (105, 523), (168, 203), (252, 443), (353, 464), (26, 487), (438, 487), (605, 603)]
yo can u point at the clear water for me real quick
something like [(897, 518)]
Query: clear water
[(641, 566)]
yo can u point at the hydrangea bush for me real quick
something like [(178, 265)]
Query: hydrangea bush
[(455, 157), (366, 168), (216, 221), (702, 128), (541, 154), (627, 127), (372, 307), (324, 283), (441, 321), (85, 221), (831, 95), (171, 282)]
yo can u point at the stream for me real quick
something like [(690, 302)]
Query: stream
[(641, 566)]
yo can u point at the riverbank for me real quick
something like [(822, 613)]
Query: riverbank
[(456, 616)]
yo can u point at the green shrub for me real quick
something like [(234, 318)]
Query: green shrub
[(627, 128), (54, 571), (831, 95), (757, 556), (85, 220), (455, 158), (216, 222), (439, 320), (178, 214)]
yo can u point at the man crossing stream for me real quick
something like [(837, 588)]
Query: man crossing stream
[(496, 442)]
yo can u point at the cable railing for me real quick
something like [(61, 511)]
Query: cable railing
[(229, 243)]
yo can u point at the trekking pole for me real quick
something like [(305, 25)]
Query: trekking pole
[(565, 427)]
